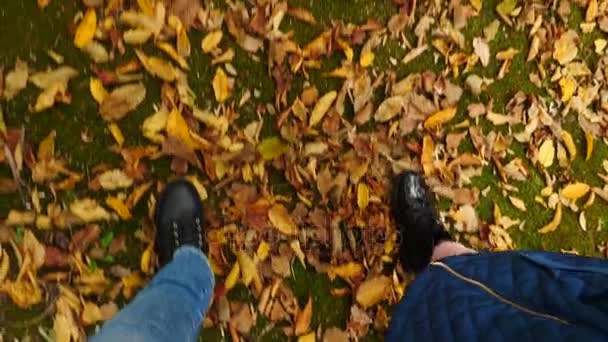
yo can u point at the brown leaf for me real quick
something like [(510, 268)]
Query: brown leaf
[(281, 220), (54, 257), (118, 245), (121, 101), (84, 238), (175, 147), (302, 14)]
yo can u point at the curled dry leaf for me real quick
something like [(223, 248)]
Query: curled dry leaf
[(281, 220), (557, 220), (373, 290), (121, 101)]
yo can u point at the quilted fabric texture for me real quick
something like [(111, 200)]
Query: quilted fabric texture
[(440, 306)]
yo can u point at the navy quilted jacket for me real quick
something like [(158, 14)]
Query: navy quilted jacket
[(509, 296)]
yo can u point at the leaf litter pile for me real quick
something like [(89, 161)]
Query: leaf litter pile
[(337, 149)]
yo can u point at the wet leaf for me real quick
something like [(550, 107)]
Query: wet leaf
[(121, 101), (281, 220), (86, 29)]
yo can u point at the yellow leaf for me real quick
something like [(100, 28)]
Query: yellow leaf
[(221, 86), (310, 337), (170, 50), (589, 139), (373, 290), (233, 276), (211, 41), (249, 270), (89, 210), (46, 149), (262, 252), (321, 107), (569, 143), (439, 118), (546, 153), (477, 4), (119, 207), (557, 219), (367, 58), (362, 196), (90, 313), (271, 148), (183, 42), (592, 9), (157, 67), (86, 29), (178, 128), (146, 6), (146, 260), (281, 220), (303, 319), (200, 188), (154, 124), (4, 265), (98, 92), (426, 159), (116, 133), (575, 191), (567, 85), (347, 271)]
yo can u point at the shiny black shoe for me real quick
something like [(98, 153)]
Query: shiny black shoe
[(179, 220), (415, 215)]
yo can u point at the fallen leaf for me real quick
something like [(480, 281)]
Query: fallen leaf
[(565, 49), (121, 101), (518, 203), (16, 80), (362, 196), (281, 220), (569, 143), (321, 108), (557, 219), (221, 85), (114, 179), (272, 147), (373, 290), (119, 207), (98, 92), (89, 210), (211, 41), (426, 158), (303, 319), (157, 67), (482, 49), (86, 29), (47, 79), (589, 140), (575, 191), (389, 108), (178, 128), (546, 153), (439, 118)]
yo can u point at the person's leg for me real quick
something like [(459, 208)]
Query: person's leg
[(171, 308)]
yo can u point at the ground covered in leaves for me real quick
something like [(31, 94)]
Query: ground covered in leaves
[(290, 117)]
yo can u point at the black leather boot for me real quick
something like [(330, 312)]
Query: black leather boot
[(179, 220), (415, 215)]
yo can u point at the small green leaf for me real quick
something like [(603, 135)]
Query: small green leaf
[(109, 259), (271, 148), (19, 232), (106, 239), (92, 265)]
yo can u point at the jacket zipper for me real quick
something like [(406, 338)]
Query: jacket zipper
[(496, 295)]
